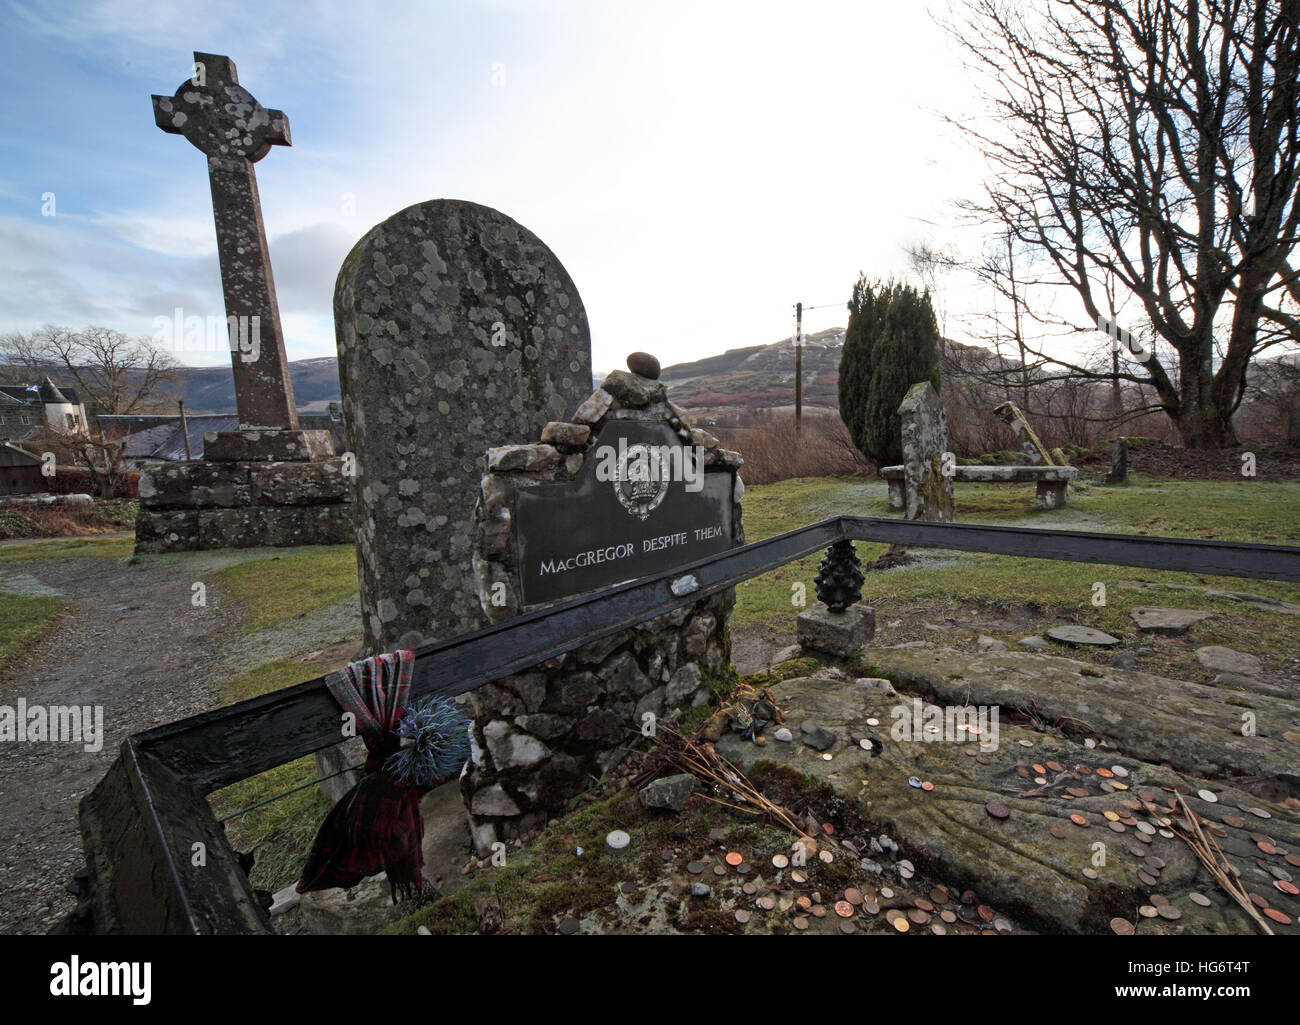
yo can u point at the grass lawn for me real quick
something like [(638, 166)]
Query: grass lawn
[(24, 621), (81, 548), (280, 832), (281, 588), (1222, 510)]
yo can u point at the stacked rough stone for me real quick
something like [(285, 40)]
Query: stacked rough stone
[(253, 488), (538, 737), (928, 492)]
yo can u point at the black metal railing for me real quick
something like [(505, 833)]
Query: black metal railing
[(141, 822)]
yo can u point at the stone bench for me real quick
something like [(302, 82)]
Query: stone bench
[(1051, 480)]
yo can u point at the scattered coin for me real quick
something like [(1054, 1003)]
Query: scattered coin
[(853, 895), (1057, 832), (970, 752), (948, 916), (1147, 878), (1257, 900), (938, 929), (780, 861), (743, 868), (749, 889), (1146, 838), (1116, 827), (695, 867), (1026, 743), (1078, 819), (826, 856), (918, 916), (901, 924), (1121, 926), (819, 911), (718, 870), (997, 810), (785, 904), (1286, 887), (766, 903), (627, 887), (983, 759), (914, 782), (1118, 786), (1055, 766), (1266, 847), (1170, 912), (844, 909), (1148, 911), (1279, 917), (873, 722), (1197, 897), (923, 904), (1040, 779), (1293, 860), (926, 785), (1022, 772), (1105, 773), (1113, 816), (569, 926), (1086, 770), (804, 902), (886, 892), (1120, 771), (1039, 769), (871, 907), (742, 916), (801, 923), (847, 927), (1146, 795), (1167, 834), (1208, 796), (1260, 813), (1090, 873), (734, 858), (1077, 791), (985, 912)]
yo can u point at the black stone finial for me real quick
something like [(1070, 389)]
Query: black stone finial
[(643, 365), (839, 577)]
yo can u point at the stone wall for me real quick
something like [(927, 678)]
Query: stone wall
[(539, 737), (255, 489)]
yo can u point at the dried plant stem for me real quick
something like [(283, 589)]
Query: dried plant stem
[(1216, 863)]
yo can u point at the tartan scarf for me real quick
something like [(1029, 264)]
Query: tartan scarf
[(376, 826)]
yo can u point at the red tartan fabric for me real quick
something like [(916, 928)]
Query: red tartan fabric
[(376, 826)]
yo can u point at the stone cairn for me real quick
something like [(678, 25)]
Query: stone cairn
[(268, 483), (539, 737)]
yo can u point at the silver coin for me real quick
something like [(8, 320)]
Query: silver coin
[(1208, 796)]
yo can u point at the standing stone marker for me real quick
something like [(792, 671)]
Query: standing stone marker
[(223, 120), (925, 440), (456, 326)]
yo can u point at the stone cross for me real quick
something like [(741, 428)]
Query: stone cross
[(234, 131)]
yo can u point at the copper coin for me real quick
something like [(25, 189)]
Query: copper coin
[(938, 929), (1154, 862), (853, 895), (1146, 795), (1286, 887), (1199, 898), (970, 752), (982, 760), (1083, 769), (1077, 791), (1257, 900), (901, 924), (804, 902), (742, 916), (1039, 769), (1022, 772), (939, 895), (923, 904), (1056, 766), (801, 923), (1057, 832), (1233, 821), (766, 903), (1078, 819), (1170, 912), (985, 912), (1105, 773), (844, 909), (892, 914), (1147, 878), (1148, 911), (1121, 926), (1116, 827), (1090, 873), (918, 916), (1157, 899), (734, 858), (749, 889), (997, 810), (1279, 917), (818, 911), (948, 916), (1293, 860), (927, 785), (1266, 847)]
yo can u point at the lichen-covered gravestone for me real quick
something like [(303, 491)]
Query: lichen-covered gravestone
[(928, 489), (456, 326)]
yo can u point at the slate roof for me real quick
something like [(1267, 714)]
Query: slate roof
[(160, 437)]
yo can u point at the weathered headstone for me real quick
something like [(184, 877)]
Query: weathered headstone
[(1119, 463), (928, 490), (456, 327), (607, 494), (223, 120)]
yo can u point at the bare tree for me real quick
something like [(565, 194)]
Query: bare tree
[(114, 372), (1152, 146)]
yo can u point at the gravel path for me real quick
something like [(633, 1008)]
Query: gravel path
[(131, 642)]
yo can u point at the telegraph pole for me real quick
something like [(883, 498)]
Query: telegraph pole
[(798, 367)]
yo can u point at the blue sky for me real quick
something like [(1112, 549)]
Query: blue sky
[(697, 167)]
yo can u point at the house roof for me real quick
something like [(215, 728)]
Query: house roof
[(46, 391), (50, 392), (160, 437)]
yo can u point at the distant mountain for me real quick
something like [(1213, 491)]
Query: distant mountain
[(212, 389), (761, 377)]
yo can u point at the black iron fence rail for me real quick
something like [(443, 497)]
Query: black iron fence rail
[(152, 803)]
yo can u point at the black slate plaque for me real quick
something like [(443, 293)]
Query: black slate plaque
[(637, 507)]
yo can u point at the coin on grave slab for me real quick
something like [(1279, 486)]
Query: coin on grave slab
[(853, 895), (819, 911), (1158, 899), (734, 858), (1208, 796), (997, 810), (1280, 917), (800, 923), (1148, 911), (844, 909), (1170, 912), (985, 912), (1078, 819), (871, 907), (1090, 873), (1266, 847), (1197, 897), (1057, 832), (1121, 926), (780, 861), (742, 916), (901, 924), (948, 916), (1286, 887), (749, 889)]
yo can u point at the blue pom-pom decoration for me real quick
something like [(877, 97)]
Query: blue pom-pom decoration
[(439, 747)]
